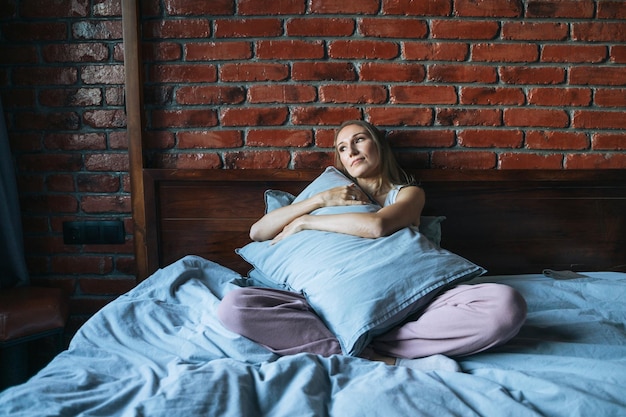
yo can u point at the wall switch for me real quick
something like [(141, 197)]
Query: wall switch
[(106, 232)]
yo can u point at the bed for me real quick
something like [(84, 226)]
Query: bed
[(556, 236)]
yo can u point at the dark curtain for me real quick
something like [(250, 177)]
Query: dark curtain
[(12, 261)]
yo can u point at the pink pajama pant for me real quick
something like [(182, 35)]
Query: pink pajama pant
[(460, 321)]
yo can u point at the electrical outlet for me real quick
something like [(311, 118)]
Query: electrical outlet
[(105, 232)]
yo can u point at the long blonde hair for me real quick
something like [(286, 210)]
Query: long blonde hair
[(389, 169)]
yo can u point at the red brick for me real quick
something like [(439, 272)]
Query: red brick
[(428, 51), (488, 8), (325, 138), (187, 161), (183, 118), (535, 117), (560, 8), (400, 116), (210, 94), (392, 28), (312, 160), (107, 162), (417, 8), (468, 117), (315, 71), (107, 8), (210, 139), (247, 28), (60, 183), (178, 29), (290, 49), (18, 54), (415, 160), (103, 74), (47, 121), (61, 8), (118, 140), (599, 31), (509, 160), (111, 29), (69, 97), (20, 97), (491, 138), (589, 119), (202, 8), (610, 97), (254, 72), (25, 142), (31, 183), (618, 54), (45, 76), (498, 52), (344, 7), (75, 141), (98, 183), (532, 75), (105, 204), (252, 116), (114, 96), (105, 118), (492, 96), (573, 53), (320, 26), (535, 31), (35, 31), (595, 161), (608, 141), (463, 160), (82, 52), (324, 115), (556, 140), (376, 71), (466, 30), (257, 159), (183, 73), (218, 51), (363, 49), (259, 8), (548, 96), (423, 95), (161, 51), (611, 9), (159, 140), (50, 203), (84, 264), (424, 138), (278, 138), (597, 75), (462, 73), (353, 93), (285, 93)]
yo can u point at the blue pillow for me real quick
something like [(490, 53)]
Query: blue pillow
[(359, 287), (430, 226)]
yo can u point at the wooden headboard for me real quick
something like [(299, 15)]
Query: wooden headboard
[(507, 221)]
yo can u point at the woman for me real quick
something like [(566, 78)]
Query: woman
[(462, 320)]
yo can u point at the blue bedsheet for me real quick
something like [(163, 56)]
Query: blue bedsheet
[(160, 351)]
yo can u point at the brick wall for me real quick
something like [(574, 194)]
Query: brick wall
[(492, 84)]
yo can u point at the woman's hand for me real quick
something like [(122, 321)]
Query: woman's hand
[(345, 195), (294, 227)]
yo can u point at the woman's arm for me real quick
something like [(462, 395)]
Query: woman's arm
[(270, 225), (404, 212)]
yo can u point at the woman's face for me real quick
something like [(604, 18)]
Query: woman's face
[(358, 152)]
